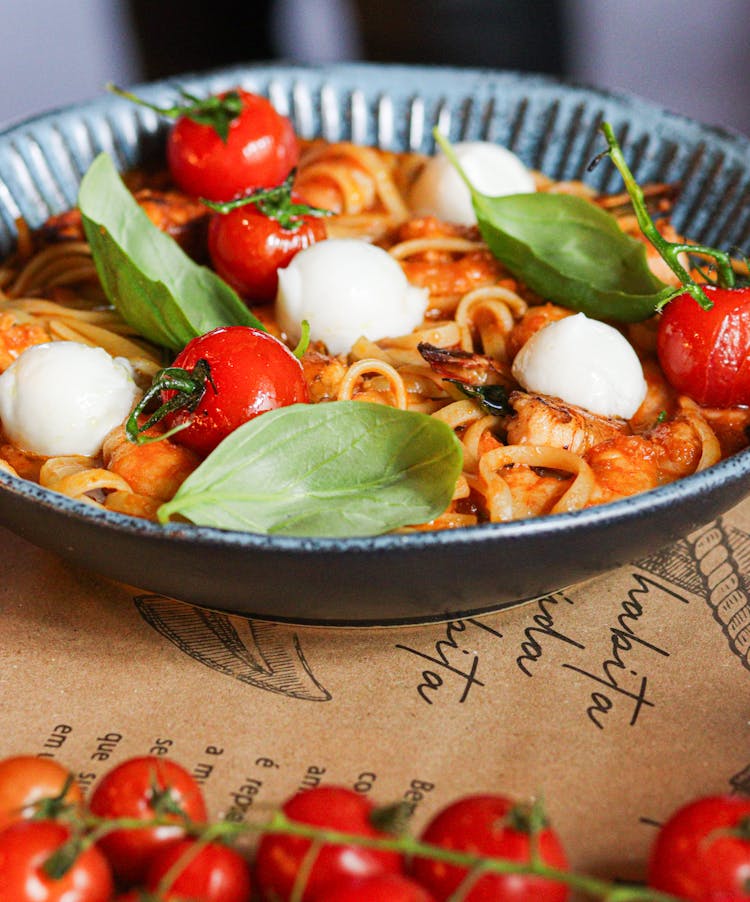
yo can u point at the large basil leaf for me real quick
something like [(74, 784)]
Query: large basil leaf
[(154, 285), (571, 252), (343, 468)]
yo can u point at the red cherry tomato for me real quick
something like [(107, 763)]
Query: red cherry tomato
[(279, 857), (215, 874), (260, 151), (484, 824), (25, 780), (251, 371), (376, 888), (248, 248), (24, 848), (703, 851), (133, 789), (706, 353)]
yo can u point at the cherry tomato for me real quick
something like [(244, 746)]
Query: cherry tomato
[(137, 788), (487, 825), (260, 151), (24, 848), (703, 851), (215, 874), (251, 372), (248, 248), (376, 888), (25, 780), (279, 857), (706, 353)]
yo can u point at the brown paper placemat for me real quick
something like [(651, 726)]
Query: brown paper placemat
[(618, 699)]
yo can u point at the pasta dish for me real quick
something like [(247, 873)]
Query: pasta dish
[(525, 452)]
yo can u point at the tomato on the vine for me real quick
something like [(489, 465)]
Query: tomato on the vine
[(259, 151), (210, 872), (702, 852), (234, 373), (248, 248), (144, 788), (26, 846), (705, 354), (496, 826), (280, 857), (26, 780)]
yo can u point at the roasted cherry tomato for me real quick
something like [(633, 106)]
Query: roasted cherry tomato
[(142, 788), (260, 150), (248, 373), (280, 857), (25, 847), (248, 248), (703, 851), (705, 354), (25, 780), (376, 888), (215, 874), (492, 826)]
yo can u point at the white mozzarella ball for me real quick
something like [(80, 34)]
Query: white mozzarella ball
[(493, 170), (346, 289), (63, 398), (583, 362)]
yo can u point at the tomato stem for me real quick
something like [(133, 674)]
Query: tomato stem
[(89, 828), (188, 385), (668, 250), (216, 112), (275, 203)]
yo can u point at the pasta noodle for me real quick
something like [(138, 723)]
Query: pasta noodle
[(478, 318)]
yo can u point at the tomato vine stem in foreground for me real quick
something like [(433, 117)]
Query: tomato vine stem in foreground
[(668, 250), (88, 828)]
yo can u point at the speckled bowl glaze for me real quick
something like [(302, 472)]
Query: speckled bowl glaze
[(393, 578)]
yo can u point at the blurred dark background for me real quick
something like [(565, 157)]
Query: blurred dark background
[(507, 34), (688, 55)]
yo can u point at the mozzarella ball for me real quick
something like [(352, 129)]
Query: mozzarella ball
[(63, 398), (346, 289), (583, 362), (493, 170)]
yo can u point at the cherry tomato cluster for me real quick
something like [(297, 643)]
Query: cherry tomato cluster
[(144, 836), (234, 149)]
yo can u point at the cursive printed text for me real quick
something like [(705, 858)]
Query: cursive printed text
[(615, 674), (543, 628), (451, 660)]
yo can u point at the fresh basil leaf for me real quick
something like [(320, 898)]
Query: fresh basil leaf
[(567, 250), (571, 252), (146, 275), (343, 468)]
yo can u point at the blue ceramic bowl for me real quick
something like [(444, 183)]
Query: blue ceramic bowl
[(393, 578)]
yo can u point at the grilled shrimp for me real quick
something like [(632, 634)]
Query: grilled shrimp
[(471, 369), (447, 273), (15, 337), (156, 469), (541, 420), (180, 216), (628, 464), (323, 374), (660, 401)]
